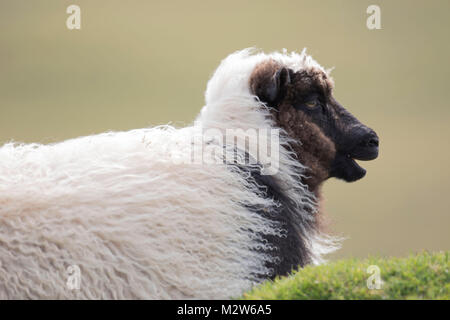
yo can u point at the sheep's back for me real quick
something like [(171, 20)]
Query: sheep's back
[(137, 223)]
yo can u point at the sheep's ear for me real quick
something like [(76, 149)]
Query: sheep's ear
[(269, 85)]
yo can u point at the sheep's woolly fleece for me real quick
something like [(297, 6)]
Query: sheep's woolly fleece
[(136, 223)]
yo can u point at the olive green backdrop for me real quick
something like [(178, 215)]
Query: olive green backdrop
[(142, 63)]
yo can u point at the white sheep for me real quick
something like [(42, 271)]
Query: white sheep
[(138, 221)]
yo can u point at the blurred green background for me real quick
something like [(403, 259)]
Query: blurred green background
[(142, 63)]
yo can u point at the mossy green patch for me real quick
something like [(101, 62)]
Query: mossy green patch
[(420, 276)]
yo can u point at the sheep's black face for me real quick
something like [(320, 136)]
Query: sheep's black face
[(352, 140), (331, 138)]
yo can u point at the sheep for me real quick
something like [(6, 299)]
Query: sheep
[(139, 219)]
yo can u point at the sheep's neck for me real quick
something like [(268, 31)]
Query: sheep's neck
[(314, 149)]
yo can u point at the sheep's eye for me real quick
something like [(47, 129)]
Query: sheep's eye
[(311, 104)]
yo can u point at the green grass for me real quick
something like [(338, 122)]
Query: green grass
[(421, 276)]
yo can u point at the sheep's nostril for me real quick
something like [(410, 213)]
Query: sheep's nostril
[(367, 149), (373, 142)]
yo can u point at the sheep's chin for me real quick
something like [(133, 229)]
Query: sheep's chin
[(347, 169), (358, 172)]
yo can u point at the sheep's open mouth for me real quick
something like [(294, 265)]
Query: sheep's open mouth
[(357, 171), (345, 166)]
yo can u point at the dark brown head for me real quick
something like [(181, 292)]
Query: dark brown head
[(330, 138)]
